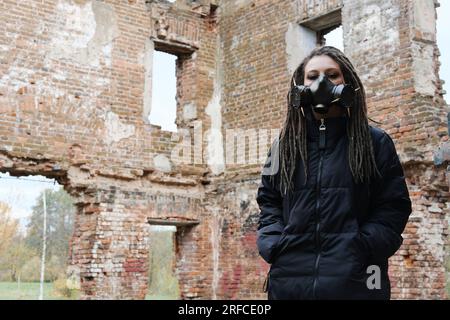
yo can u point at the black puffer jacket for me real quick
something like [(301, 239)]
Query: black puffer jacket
[(321, 240)]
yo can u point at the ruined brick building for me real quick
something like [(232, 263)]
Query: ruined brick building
[(75, 95)]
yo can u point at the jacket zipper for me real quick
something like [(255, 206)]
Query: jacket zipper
[(322, 144)]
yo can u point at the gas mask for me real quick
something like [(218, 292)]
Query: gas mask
[(321, 94)]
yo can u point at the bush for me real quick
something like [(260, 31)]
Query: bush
[(61, 289), (5, 276), (31, 270)]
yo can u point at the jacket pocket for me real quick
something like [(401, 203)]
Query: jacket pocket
[(360, 256), (268, 239), (277, 250)]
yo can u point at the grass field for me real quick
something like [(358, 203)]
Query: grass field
[(27, 291), (159, 297), (30, 291)]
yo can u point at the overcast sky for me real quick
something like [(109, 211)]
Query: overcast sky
[(443, 40), (21, 195)]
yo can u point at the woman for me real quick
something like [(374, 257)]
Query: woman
[(328, 228)]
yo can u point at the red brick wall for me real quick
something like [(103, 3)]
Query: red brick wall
[(73, 88), (72, 82)]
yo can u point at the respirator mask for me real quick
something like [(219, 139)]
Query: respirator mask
[(321, 94)]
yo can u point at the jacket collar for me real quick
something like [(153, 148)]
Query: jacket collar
[(335, 128)]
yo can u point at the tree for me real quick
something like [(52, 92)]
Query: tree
[(16, 257), (13, 251), (9, 227), (60, 222)]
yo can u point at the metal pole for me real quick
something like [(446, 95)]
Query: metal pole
[(44, 238)]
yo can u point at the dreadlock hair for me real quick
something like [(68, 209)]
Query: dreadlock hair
[(292, 138)]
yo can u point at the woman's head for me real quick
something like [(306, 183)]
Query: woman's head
[(324, 65), (337, 67)]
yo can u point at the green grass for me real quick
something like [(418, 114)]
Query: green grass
[(27, 291), (160, 297)]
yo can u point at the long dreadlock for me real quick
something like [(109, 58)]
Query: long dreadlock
[(292, 138)]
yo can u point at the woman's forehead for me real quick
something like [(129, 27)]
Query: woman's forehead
[(321, 63)]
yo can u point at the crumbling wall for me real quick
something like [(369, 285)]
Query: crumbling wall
[(393, 47), (75, 95), (74, 86)]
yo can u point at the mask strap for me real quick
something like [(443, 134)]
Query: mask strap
[(348, 109)]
